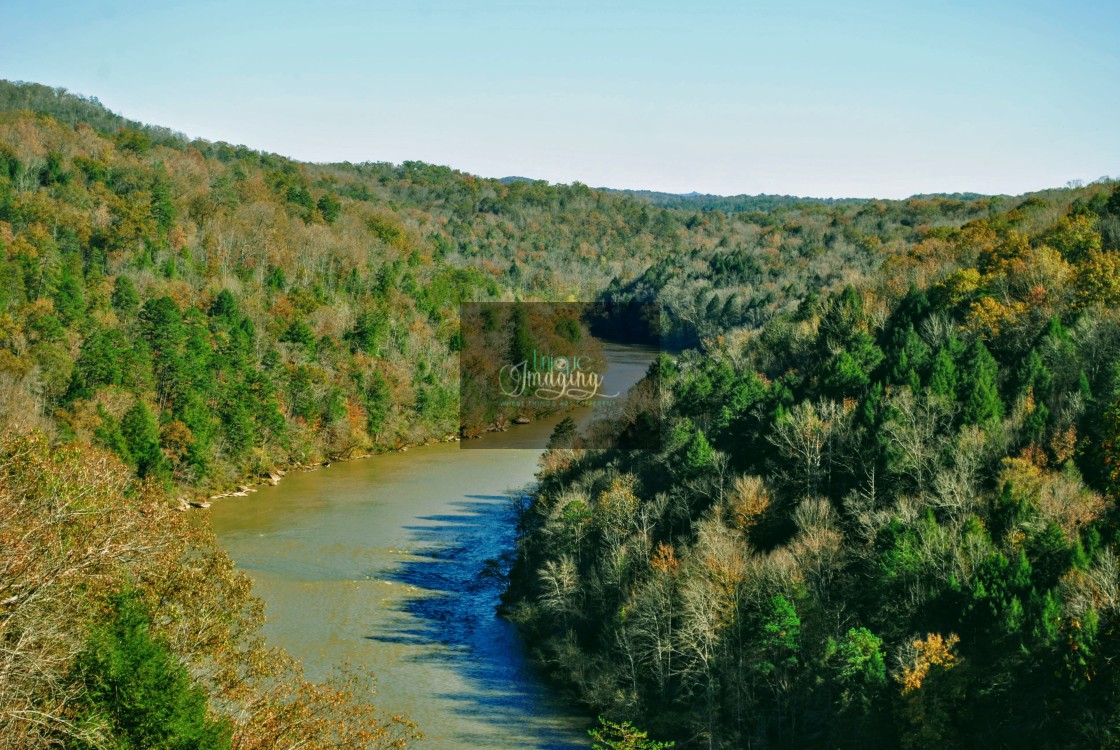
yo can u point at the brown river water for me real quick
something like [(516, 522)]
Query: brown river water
[(378, 563)]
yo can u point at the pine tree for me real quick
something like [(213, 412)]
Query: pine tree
[(141, 435), (610, 735), (982, 405), (911, 360), (125, 298), (943, 378), (136, 689), (377, 403)]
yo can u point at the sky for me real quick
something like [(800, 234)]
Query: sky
[(853, 99)]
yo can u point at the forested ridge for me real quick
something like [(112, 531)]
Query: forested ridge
[(887, 518), (177, 316), (207, 311)]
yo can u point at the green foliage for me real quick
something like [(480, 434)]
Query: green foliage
[(521, 343), (610, 735), (978, 387), (140, 431), (779, 642), (300, 334), (330, 208), (109, 435), (135, 141), (171, 310), (276, 280), (377, 402), (369, 331), (944, 379), (103, 361), (850, 371), (563, 433), (859, 670), (125, 298), (872, 472), (138, 691), (911, 360)]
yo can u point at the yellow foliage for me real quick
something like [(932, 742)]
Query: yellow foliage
[(1098, 280), (1056, 496), (989, 317), (617, 504), (933, 651), (962, 285), (748, 502), (1064, 443)]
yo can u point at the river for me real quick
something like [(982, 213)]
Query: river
[(377, 562)]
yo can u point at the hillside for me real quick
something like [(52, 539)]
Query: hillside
[(886, 511), (735, 204), (281, 313), (887, 518)]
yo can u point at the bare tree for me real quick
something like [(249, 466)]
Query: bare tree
[(559, 587), (805, 437), (917, 433)]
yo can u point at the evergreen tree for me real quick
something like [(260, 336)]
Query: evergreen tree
[(521, 345), (125, 298), (982, 405), (141, 434), (911, 360), (136, 688), (329, 207), (224, 307)]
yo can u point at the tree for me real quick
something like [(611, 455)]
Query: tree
[(99, 363), (377, 402), (982, 405), (369, 331), (139, 692), (697, 454), (933, 689), (224, 307), (916, 434), (849, 372), (521, 344), (610, 735), (1110, 448), (803, 437), (944, 377), (777, 653), (300, 334), (70, 297), (911, 360), (564, 434), (141, 435), (125, 298), (329, 207)]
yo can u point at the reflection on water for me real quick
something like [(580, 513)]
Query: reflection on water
[(380, 563)]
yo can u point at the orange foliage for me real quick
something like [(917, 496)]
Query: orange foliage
[(933, 651), (665, 559)]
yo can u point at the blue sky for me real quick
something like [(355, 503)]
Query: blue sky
[(879, 99)]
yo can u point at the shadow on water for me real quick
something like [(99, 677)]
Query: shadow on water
[(449, 564)]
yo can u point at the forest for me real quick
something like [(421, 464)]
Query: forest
[(884, 518), (883, 512)]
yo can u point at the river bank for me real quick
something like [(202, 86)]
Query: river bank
[(385, 563)]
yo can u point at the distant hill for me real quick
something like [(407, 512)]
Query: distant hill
[(731, 203), (948, 196)]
